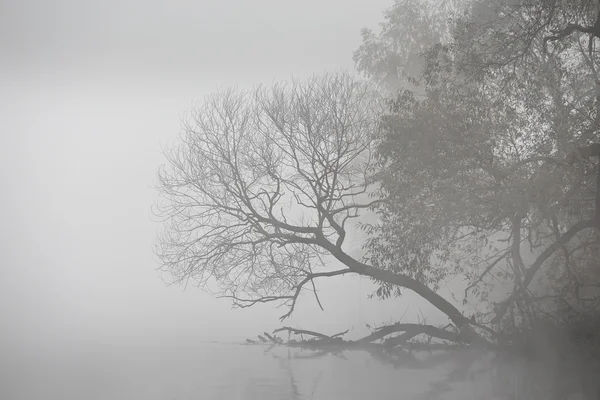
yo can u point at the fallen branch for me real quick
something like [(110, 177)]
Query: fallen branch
[(411, 330), (271, 338), (309, 333)]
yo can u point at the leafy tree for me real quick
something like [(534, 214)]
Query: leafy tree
[(487, 166), (394, 56)]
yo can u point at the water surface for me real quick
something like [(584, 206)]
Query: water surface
[(216, 371)]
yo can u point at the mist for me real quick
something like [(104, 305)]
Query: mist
[(90, 95), (481, 176)]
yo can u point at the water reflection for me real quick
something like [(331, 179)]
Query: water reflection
[(229, 372), (356, 374)]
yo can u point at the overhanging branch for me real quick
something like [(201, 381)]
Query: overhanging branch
[(245, 303)]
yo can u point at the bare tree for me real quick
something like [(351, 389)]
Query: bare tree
[(259, 192)]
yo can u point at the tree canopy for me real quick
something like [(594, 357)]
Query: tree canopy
[(488, 158)]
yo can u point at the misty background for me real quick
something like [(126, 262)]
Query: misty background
[(90, 91)]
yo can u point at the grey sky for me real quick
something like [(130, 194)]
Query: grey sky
[(90, 90)]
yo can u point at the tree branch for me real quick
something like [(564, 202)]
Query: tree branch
[(486, 271), (569, 29), (533, 269), (411, 331), (593, 150), (408, 282), (245, 303), (296, 331)]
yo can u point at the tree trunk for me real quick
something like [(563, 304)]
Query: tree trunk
[(468, 334)]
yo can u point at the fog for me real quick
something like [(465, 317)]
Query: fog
[(90, 93)]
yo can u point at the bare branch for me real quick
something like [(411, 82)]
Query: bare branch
[(296, 331), (291, 299)]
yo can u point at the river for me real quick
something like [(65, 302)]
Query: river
[(219, 371)]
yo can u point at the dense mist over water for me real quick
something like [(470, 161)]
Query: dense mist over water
[(90, 94), (212, 371), (485, 235)]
